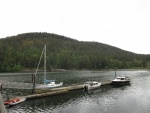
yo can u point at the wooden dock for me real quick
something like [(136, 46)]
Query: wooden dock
[(57, 91), (106, 83), (44, 93)]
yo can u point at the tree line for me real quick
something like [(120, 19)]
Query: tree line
[(23, 52)]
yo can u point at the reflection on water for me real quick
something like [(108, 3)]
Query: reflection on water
[(133, 98)]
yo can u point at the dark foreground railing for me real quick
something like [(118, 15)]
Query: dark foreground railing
[(2, 107)]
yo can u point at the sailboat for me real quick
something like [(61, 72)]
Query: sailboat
[(47, 83)]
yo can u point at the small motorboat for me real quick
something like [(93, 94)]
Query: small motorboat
[(91, 85), (121, 80), (11, 102)]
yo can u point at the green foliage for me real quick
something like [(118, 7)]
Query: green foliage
[(24, 50)]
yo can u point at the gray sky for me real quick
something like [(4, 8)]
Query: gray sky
[(121, 23)]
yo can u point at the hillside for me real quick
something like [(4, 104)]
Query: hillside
[(24, 50)]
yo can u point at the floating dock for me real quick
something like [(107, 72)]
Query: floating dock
[(57, 91), (50, 92)]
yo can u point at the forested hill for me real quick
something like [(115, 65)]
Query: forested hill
[(23, 52)]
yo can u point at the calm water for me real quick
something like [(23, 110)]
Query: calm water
[(134, 98)]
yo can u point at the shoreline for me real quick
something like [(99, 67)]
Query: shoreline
[(32, 71)]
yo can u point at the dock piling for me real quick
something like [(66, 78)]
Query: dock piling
[(33, 80), (1, 87)]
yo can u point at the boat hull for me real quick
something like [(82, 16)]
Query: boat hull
[(92, 85), (120, 82), (15, 101), (49, 86)]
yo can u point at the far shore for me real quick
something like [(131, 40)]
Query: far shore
[(33, 70), (61, 70)]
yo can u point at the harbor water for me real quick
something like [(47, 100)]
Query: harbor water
[(133, 98)]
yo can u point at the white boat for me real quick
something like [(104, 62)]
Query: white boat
[(14, 101), (51, 84), (91, 85), (121, 80), (47, 83)]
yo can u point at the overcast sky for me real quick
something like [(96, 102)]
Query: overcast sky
[(121, 23)]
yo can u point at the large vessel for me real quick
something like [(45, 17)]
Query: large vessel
[(121, 80)]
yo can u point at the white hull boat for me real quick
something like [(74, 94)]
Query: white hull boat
[(92, 85), (122, 80), (50, 85)]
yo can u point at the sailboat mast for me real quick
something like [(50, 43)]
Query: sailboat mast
[(45, 64)]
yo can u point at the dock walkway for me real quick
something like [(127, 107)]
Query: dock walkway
[(57, 91)]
